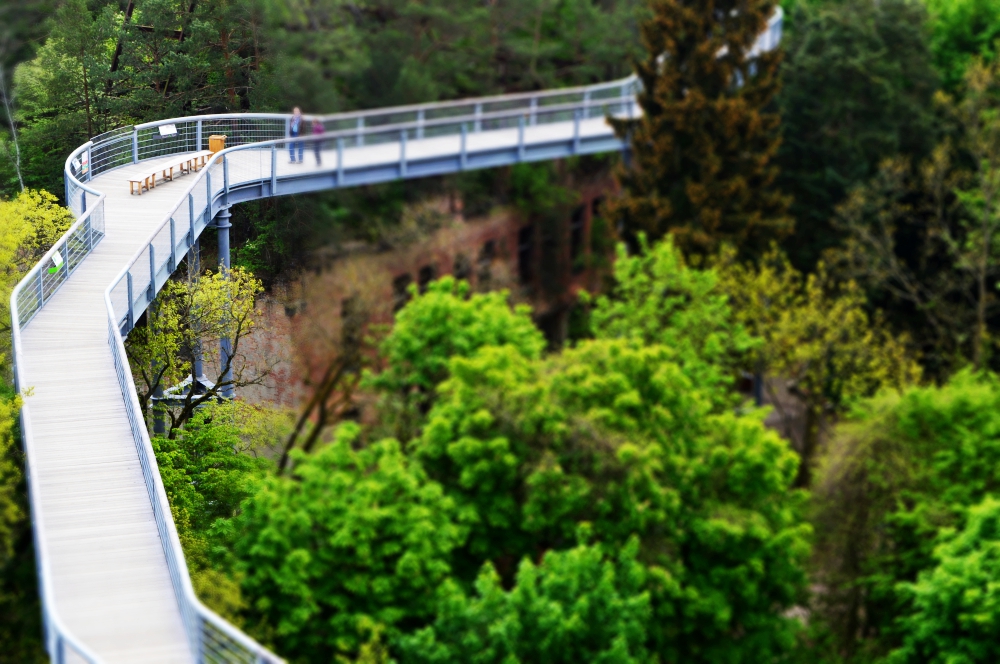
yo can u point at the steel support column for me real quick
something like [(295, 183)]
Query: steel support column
[(222, 225)]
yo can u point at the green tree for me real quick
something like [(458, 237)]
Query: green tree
[(924, 239), (977, 253), (956, 609), (576, 605), (442, 323), (857, 86), (659, 299), (901, 230), (615, 434), (208, 469), (355, 538), (817, 336), (20, 612), (703, 151), (186, 319), (898, 473), (29, 225), (960, 31)]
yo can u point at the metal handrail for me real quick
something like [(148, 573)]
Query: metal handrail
[(57, 636)]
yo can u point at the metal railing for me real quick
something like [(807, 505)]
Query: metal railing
[(253, 163), (27, 298), (212, 639)]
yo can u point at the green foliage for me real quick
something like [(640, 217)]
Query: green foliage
[(442, 323), (956, 610), (657, 298), (703, 151), (922, 237), (185, 318), (817, 334), (857, 84), (903, 470), (29, 225), (357, 537), (960, 31), (576, 606), (12, 512), (613, 433), (207, 471), (20, 614)]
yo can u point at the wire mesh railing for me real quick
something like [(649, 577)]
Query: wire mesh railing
[(55, 268), (212, 639)]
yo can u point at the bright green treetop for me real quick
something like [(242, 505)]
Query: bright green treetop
[(577, 605), (956, 604), (355, 538), (615, 434), (659, 299)]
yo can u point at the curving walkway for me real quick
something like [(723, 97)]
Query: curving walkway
[(105, 556), (106, 561), (113, 580)]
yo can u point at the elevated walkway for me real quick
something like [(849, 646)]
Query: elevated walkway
[(112, 576)]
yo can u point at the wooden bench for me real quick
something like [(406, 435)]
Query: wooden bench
[(183, 166)]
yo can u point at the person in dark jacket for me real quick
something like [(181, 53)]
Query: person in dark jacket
[(317, 129), (294, 129)]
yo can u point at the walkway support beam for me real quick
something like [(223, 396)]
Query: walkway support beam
[(222, 225)]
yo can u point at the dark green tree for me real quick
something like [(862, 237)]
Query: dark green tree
[(703, 152), (857, 87), (961, 30)]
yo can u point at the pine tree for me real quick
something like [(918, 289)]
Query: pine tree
[(703, 150)]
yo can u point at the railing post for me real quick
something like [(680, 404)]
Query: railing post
[(288, 127), (208, 198), (90, 165), (361, 131), (576, 131), (197, 137), (586, 103), (225, 175), (190, 221), (534, 111), (130, 320), (479, 118), (135, 146), (420, 124), (83, 201), (520, 138), (340, 162), (463, 156), (152, 273), (223, 225), (41, 288), (274, 169), (402, 153), (90, 235), (173, 245)]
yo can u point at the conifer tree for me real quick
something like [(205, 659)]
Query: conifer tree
[(703, 149)]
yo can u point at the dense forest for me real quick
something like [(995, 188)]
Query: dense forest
[(816, 221)]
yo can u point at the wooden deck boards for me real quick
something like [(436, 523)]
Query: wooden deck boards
[(109, 575)]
